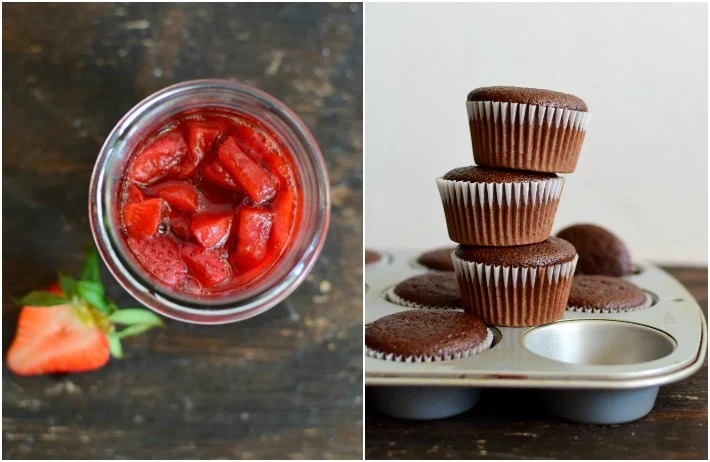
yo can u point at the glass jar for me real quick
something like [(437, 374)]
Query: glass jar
[(306, 242)]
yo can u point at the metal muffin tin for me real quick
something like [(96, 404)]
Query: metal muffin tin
[(591, 368)]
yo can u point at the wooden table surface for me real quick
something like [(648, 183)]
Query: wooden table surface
[(287, 383), (514, 424)]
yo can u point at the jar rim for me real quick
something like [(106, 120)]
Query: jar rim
[(183, 306)]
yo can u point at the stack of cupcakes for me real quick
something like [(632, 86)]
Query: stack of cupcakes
[(509, 270)]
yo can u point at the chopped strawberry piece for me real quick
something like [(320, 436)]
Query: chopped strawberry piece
[(53, 340), (206, 266), (134, 194), (211, 229), (180, 224), (217, 175), (200, 138), (179, 194), (156, 159), (143, 218), (285, 218), (161, 257), (254, 228), (257, 182)]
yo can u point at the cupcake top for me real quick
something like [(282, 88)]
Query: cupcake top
[(534, 96), (550, 252), (473, 174), (438, 259), (600, 251), (431, 290), (372, 256), (604, 292), (426, 333)]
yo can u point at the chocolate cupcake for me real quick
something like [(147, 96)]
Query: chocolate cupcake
[(516, 286), (489, 207), (600, 251), (425, 336), (434, 290), (605, 294), (438, 259), (374, 258), (526, 128)]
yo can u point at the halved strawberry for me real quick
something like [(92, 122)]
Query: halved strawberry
[(134, 194), (179, 194), (257, 182), (53, 339), (211, 229), (156, 159), (206, 266), (161, 257), (253, 234), (143, 218), (200, 138), (217, 175), (179, 224)]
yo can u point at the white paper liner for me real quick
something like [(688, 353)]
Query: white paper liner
[(580, 309), (513, 275), (483, 346), (526, 136), (496, 111), (500, 214), (514, 296), (391, 296)]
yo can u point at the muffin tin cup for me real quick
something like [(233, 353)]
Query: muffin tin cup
[(392, 296), (600, 368), (500, 214), (526, 136), (514, 296), (417, 403)]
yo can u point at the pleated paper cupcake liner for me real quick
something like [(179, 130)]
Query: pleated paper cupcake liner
[(500, 214), (514, 296), (581, 309), (391, 296), (483, 346), (526, 136)]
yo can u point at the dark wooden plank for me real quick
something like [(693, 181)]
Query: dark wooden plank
[(285, 384), (514, 424)]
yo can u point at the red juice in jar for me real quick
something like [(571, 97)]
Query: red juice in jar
[(209, 202)]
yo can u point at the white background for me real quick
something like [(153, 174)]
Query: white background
[(641, 69)]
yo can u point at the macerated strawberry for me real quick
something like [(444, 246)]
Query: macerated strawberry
[(143, 218), (161, 257), (200, 138), (179, 194), (253, 235), (285, 217), (206, 266), (257, 182), (156, 159), (211, 229), (180, 224), (134, 194), (217, 175), (53, 339)]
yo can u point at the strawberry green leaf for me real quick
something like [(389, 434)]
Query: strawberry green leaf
[(135, 329), (91, 266), (131, 316), (93, 293), (67, 284), (114, 345), (41, 298)]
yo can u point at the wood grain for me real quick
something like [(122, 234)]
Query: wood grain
[(286, 384), (514, 424)]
